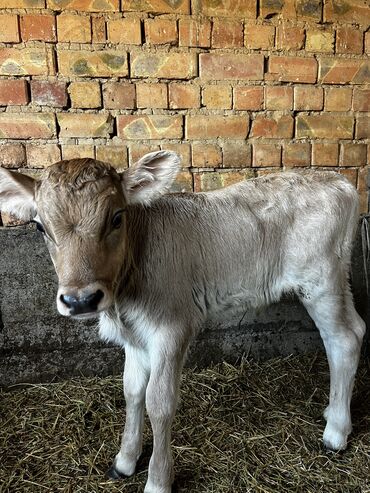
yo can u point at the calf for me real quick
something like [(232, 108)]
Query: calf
[(154, 266)]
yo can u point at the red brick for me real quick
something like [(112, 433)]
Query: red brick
[(27, 61), (13, 92), (265, 155), (217, 97), (351, 11), (137, 151), (289, 38), (325, 154), (208, 181), (73, 28), (308, 98), (22, 4), (9, 32), (364, 202), (119, 95), (363, 177), (232, 177), (84, 5), (98, 28), (27, 125), (183, 182), (137, 127), (276, 127), (74, 151), (259, 37), (206, 155), (102, 63), (292, 69), (214, 126), (48, 93), (343, 71), (338, 98), (291, 9), (151, 95), (237, 154), (350, 174), (267, 171), (164, 65), (248, 98), (308, 9), (363, 127), (183, 96), (296, 154), (325, 126), (12, 156), (114, 155), (196, 33), (85, 125), (127, 31), (361, 99), (38, 27), (278, 98), (157, 6), (367, 42), (183, 150), (160, 31), (227, 34), (349, 40), (319, 41), (42, 156), (85, 94), (353, 155), (226, 8), (214, 66)]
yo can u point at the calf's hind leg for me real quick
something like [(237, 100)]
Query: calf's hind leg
[(342, 331)]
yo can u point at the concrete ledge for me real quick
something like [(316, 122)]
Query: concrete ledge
[(36, 344)]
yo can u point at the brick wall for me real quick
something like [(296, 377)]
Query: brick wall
[(237, 87)]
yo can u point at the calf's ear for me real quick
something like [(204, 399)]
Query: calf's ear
[(17, 194), (150, 176)]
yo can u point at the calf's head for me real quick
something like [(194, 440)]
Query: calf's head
[(80, 207)]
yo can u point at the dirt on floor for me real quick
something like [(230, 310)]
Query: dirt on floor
[(252, 427)]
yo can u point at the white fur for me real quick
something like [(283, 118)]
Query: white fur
[(15, 198), (110, 329), (150, 176)]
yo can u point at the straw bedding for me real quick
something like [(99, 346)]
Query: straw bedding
[(252, 427)]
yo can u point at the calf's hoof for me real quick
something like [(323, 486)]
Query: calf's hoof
[(151, 488), (114, 474), (334, 439)]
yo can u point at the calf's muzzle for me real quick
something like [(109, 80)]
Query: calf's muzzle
[(85, 304)]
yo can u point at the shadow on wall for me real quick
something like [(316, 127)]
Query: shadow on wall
[(37, 344)]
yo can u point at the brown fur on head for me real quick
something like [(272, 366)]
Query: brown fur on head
[(80, 207)]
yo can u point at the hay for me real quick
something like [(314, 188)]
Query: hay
[(246, 428)]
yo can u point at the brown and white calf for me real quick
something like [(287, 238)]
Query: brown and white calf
[(154, 266)]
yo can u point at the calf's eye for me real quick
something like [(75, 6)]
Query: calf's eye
[(117, 220), (39, 227)]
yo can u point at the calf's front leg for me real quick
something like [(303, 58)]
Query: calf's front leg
[(135, 381), (161, 402)]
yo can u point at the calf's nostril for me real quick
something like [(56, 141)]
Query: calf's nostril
[(68, 300), (93, 299)]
